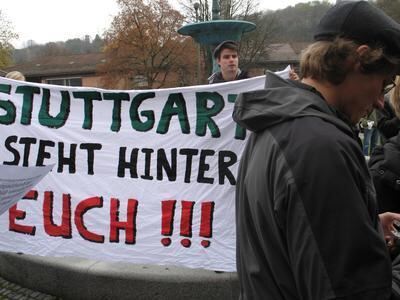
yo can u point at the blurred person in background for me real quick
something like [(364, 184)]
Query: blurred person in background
[(388, 123), (371, 134), (384, 163), (16, 75)]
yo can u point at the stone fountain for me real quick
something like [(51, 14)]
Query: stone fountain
[(216, 31)]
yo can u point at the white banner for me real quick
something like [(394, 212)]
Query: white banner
[(143, 176), (16, 181)]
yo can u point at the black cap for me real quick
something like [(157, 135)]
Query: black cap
[(362, 22), (225, 44)]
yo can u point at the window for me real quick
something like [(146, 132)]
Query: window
[(76, 81)]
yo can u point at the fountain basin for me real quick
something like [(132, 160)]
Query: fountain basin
[(216, 31)]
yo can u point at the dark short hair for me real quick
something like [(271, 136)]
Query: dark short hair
[(232, 45)]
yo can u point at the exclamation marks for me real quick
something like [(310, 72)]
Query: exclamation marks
[(167, 221), (207, 212), (186, 222), (187, 208)]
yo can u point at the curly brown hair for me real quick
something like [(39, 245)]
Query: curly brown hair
[(333, 60)]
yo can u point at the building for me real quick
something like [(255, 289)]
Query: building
[(82, 69), (69, 70), (278, 57)]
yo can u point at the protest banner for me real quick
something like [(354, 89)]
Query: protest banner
[(141, 176), (16, 181)]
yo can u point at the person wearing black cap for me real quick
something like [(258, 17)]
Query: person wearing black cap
[(306, 213), (227, 56)]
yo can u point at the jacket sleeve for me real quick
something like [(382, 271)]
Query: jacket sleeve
[(333, 233), (384, 165), (388, 124), (396, 279)]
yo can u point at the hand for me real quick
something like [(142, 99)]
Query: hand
[(293, 75), (387, 219)]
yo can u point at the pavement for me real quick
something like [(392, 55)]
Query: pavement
[(34, 277), (12, 291)]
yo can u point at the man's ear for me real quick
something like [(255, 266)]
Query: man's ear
[(361, 51)]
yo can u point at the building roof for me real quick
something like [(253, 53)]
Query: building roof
[(285, 51), (67, 65), (87, 64), (298, 47)]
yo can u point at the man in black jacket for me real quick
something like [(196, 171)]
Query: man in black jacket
[(384, 165), (306, 213)]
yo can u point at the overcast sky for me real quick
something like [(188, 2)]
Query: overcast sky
[(54, 20)]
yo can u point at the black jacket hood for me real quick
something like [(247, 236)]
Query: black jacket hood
[(281, 101)]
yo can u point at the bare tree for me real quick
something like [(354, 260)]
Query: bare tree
[(254, 45), (143, 47), (6, 35), (228, 9)]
